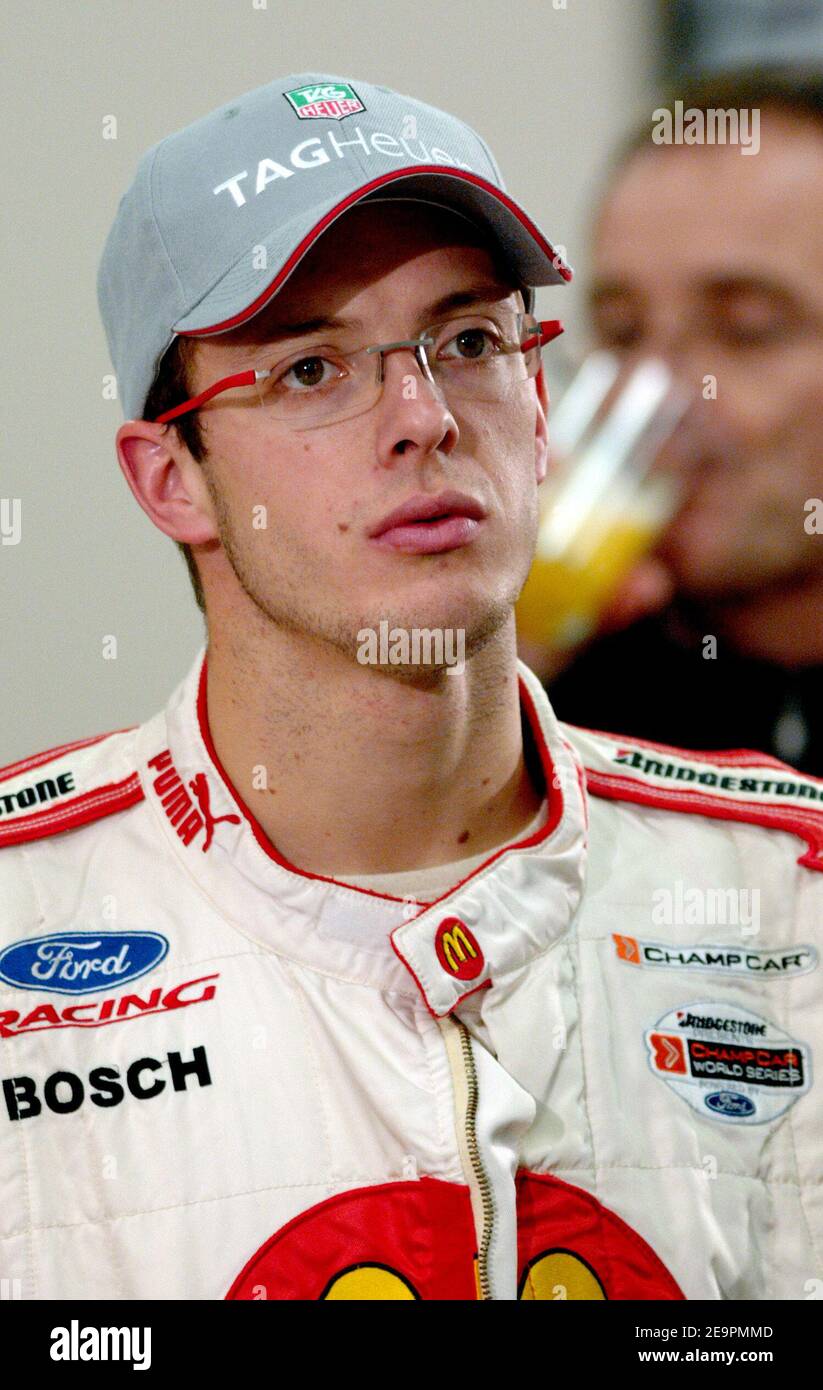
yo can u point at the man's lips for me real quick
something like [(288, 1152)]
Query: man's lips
[(427, 525)]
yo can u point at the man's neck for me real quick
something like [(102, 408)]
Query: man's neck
[(352, 771), (782, 624)]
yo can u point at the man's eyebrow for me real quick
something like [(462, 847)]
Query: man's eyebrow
[(487, 292), (719, 283), (304, 326), (607, 289), (743, 282)]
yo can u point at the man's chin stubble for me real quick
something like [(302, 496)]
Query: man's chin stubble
[(343, 633), (285, 611)]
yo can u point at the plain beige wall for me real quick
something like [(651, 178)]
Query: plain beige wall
[(550, 87)]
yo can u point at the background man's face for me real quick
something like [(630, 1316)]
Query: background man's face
[(315, 569), (715, 261)]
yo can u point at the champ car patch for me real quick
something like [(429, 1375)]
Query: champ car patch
[(774, 964), (728, 1063)]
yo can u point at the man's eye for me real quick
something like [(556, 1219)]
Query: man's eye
[(308, 372), (620, 338), (748, 333), (618, 332), (470, 344)]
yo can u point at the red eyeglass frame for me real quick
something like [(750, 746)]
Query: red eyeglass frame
[(549, 330)]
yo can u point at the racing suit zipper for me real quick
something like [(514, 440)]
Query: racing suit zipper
[(479, 1183)]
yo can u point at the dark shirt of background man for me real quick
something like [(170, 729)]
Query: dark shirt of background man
[(647, 682)]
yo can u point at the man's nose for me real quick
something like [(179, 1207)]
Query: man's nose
[(414, 412), (700, 424)]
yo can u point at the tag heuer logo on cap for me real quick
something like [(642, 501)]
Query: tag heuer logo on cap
[(330, 102)]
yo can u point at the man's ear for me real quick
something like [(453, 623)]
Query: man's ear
[(166, 481), (541, 428)]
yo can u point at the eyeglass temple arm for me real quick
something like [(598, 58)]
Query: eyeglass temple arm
[(549, 329), (239, 379)]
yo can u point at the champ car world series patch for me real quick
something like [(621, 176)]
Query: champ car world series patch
[(728, 1063)]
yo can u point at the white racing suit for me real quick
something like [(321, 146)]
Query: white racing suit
[(586, 1072)]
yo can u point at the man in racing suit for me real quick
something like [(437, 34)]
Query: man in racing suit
[(352, 975)]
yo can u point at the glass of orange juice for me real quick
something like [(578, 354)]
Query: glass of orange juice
[(606, 504)]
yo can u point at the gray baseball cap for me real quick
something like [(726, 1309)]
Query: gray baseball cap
[(220, 213)]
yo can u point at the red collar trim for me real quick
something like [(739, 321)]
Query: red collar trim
[(553, 791)]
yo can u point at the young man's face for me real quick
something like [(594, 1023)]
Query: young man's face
[(316, 568), (714, 260)]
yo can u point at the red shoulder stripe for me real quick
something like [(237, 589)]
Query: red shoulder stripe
[(805, 823), (103, 801), (81, 782)]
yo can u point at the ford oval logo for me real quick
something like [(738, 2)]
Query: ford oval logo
[(81, 962), (730, 1103)]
